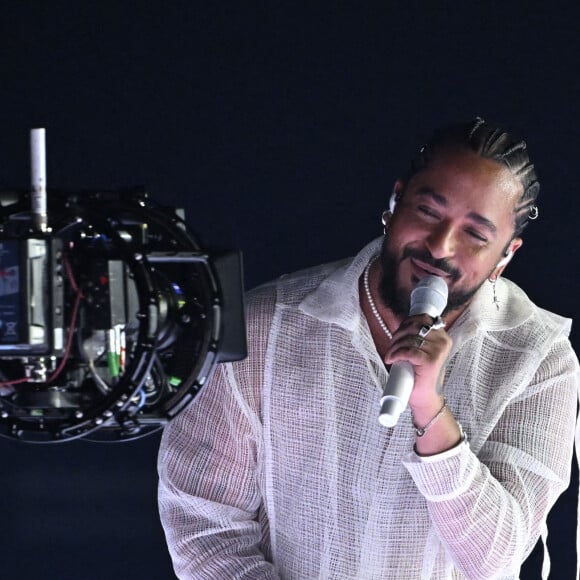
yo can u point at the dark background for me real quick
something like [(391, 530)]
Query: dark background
[(280, 127)]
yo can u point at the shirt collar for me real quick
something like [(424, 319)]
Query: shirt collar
[(336, 299)]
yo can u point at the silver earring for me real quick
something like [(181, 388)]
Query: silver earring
[(492, 281), (385, 221)]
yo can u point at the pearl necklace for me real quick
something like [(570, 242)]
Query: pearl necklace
[(372, 304)]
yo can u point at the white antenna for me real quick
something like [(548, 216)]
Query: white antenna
[(38, 170)]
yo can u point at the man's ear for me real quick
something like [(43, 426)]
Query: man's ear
[(513, 247), (396, 195)]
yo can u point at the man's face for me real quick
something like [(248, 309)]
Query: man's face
[(454, 220)]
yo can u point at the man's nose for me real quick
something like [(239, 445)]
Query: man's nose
[(441, 240)]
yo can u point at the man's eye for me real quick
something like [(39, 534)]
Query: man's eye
[(477, 236), (427, 211)]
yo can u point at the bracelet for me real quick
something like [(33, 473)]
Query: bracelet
[(420, 431)]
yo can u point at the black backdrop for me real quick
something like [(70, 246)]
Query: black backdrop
[(280, 128)]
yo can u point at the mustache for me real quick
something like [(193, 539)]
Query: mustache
[(440, 264)]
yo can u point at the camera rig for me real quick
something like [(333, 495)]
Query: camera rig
[(112, 315)]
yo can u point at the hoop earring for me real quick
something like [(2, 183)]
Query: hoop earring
[(385, 221)]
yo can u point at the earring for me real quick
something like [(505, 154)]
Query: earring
[(492, 280), (385, 221)]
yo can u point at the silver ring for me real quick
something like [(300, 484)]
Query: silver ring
[(437, 324), (419, 342)]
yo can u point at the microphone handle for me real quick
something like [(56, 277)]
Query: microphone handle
[(396, 393)]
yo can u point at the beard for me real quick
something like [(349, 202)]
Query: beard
[(398, 299)]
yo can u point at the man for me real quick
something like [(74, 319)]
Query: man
[(280, 468)]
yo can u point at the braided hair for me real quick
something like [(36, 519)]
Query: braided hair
[(491, 142)]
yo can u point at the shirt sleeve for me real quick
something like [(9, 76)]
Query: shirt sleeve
[(490, 509), (209, 494)]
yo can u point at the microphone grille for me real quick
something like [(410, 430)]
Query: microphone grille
[(429, 296)]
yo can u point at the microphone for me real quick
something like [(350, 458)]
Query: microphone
[(428, 297)]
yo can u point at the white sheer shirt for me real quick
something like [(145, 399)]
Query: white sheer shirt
[(280, 469)]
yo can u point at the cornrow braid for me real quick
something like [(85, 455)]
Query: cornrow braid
[(491, 142)]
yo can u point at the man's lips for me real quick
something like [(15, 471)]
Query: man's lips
[(423, 269)]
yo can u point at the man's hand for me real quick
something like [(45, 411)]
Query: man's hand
[(427, 355)]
